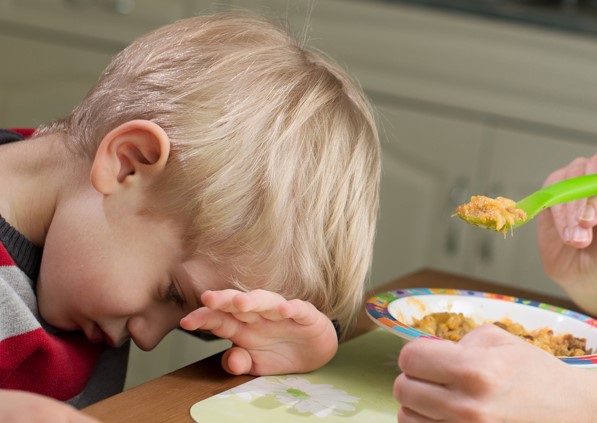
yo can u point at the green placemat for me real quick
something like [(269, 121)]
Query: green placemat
[(355, 386)]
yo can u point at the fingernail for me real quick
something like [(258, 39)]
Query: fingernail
[(566, 234), (588, 214), (580, 235)]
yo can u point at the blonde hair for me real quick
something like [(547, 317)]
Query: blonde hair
[(274, 152)]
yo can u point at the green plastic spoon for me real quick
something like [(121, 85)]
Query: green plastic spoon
[(560, 192)]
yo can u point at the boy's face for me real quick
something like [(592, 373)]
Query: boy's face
[(114, 274)]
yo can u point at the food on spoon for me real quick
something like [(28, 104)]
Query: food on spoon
[(454, 326), (497, 214)]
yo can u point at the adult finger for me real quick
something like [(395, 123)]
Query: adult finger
[(426, 400), (430, 359), (559, 211), (406, 415), (574, 209), (588, 217)]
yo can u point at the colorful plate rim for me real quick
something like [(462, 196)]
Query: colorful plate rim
[(377, 308)]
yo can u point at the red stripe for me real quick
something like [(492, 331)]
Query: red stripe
[(39, 362), (26, 132), (5, 258)]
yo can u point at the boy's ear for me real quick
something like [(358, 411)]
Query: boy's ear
[(134, 151)]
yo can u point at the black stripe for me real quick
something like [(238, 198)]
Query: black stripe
[(25, 254), (7, 136)]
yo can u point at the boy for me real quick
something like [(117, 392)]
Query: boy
[(219, 177)]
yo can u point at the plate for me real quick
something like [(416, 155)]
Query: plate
[(395, 310)]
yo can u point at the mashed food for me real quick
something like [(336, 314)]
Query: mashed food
[(498, 214), (454, 326)]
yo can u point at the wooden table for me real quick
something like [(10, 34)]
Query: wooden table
[(169, 397)]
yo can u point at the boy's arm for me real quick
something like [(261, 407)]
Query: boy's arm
[(270, 335), (21, 406)]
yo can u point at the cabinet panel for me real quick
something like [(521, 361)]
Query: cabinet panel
[(176, 350), (118, 21), (428, 167), (44, 81)]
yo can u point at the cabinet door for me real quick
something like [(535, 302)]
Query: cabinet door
[(176, 350), (519, 163), (428, 168)]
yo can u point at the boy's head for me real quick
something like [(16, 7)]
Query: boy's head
[(273, 167)]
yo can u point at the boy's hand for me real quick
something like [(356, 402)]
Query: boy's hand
[(20, 406), (271, 335), (490, 376)]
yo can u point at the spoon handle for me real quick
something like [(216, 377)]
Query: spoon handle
[(560, 192)]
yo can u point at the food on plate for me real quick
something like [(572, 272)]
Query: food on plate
[(498, 214), (454, 326)]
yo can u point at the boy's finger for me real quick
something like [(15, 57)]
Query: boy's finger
[(237, 361), (220, 300), (84, 418), (258, 301), (221, 324), (302, 312), (192, 320), (233, 301)]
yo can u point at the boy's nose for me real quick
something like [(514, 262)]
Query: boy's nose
[(147, 334)]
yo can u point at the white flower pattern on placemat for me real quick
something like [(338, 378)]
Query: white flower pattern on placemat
[(298, 394)]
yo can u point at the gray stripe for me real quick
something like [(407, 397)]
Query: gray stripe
[(18, 305)]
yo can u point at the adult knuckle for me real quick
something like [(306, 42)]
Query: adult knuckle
[(466, 411), (479, 380)]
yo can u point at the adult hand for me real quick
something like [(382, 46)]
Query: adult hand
[(565, 236), (490, 376), (270, 335), (20, 406)]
